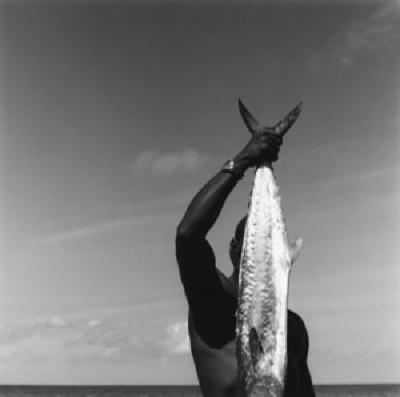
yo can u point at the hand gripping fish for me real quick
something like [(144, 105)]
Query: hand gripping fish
[(266, 259)]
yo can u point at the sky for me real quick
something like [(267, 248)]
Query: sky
[(114, 116)]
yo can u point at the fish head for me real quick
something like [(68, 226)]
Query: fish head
[(265, 386)]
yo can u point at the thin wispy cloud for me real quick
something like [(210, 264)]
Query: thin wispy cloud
[(112, 336), (129, 216), (177, 340), (380, 172), (98, 229), (163, 163), (79, 233), (380, 31), (15, 333), (362, 177), (113, 339), (103, 334)]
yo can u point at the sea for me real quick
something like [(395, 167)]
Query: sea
[(370, 390)]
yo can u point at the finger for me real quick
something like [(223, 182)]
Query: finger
[(248, 118), (274, 157), (272, 154), (274, 148), (284, 125), (274, 143), (272, 138), (276, 139)]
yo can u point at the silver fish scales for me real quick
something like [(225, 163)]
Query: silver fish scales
[(261, 318)]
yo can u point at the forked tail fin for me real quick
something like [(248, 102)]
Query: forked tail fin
[(280, 128), (250, 121)]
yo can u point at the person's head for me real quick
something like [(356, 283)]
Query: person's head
[(237, 243)]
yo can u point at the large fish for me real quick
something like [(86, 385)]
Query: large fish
[(266, 259)]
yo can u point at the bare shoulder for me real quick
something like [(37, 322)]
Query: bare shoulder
[(295, 319), (297, 326)]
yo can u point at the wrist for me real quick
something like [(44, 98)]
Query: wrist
[(234, 167), (242, 163)]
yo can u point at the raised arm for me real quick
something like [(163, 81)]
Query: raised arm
[(206, 205), (264, 146), (194, 254)]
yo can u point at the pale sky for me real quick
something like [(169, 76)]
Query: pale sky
[(113, 116)]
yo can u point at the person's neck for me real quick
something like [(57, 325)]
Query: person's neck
[(234, 278)]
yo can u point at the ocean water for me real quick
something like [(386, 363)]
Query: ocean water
[(380, 390)]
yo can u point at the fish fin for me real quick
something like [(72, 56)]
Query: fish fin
[(283, 126), (256, 348), (250, 121), (295, 249)]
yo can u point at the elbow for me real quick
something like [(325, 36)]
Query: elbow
[(185, 232), (182, 236), (182, 232)]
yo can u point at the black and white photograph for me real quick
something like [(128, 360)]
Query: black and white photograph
[(199, 198)]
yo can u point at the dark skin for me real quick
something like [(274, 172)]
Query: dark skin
[(206, 206), (213, 309)]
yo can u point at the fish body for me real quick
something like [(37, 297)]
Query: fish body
[(266, 258)]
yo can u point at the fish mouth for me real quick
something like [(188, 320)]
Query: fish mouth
[(266, 386)]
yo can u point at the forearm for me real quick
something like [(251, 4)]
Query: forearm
[(204, 209)]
